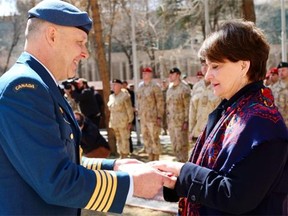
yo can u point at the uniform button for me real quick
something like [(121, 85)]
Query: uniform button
[(193, 198), (71, 136)]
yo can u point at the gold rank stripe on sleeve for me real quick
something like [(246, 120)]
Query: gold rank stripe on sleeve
[(92, 163), (104, 192)]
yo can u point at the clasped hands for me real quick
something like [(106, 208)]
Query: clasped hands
[(149, 178)]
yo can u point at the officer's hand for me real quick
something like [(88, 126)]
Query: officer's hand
[(147, 180)]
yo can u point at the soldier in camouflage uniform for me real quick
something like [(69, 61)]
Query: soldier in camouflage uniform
[(280, 91), (273, 77), (202, 103), (150, 110), (177, 109), (121, 117)]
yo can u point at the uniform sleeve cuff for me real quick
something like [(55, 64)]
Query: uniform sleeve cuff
[(131, 189)]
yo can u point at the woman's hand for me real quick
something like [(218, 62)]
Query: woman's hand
[(168, 167)]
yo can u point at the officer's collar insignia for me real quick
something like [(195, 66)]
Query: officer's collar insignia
[(25, 86)]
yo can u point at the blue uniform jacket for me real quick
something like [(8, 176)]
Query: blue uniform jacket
[(39, 160)]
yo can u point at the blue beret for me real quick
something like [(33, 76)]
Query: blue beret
[(61, 13)]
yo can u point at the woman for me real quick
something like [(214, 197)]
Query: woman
[(121, 117), (239, 164)]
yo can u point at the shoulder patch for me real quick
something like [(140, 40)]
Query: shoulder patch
[(25, 86)]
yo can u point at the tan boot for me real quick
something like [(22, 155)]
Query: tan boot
[(155, 157)]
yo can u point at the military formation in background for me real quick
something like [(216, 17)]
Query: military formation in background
[(176, 107), (177, 111), (277, 80), (150, 111), (121, 116)]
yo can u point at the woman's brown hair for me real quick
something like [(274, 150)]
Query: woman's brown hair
[(238, 40)]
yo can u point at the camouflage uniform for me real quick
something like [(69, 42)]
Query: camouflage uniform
[(150, 108), (274, 87), (164, 117), (121, 115), (280, 93), (202, 103), (177, 106)]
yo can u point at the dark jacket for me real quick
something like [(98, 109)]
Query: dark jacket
[(91, 138), (240, 162), (87, 101)]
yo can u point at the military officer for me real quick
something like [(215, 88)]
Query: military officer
[(121, 117), (177, 108), (40, 171), (280, 91), (150, 110)]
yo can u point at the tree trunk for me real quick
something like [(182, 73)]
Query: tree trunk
[(248, 10), (103, 68)]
